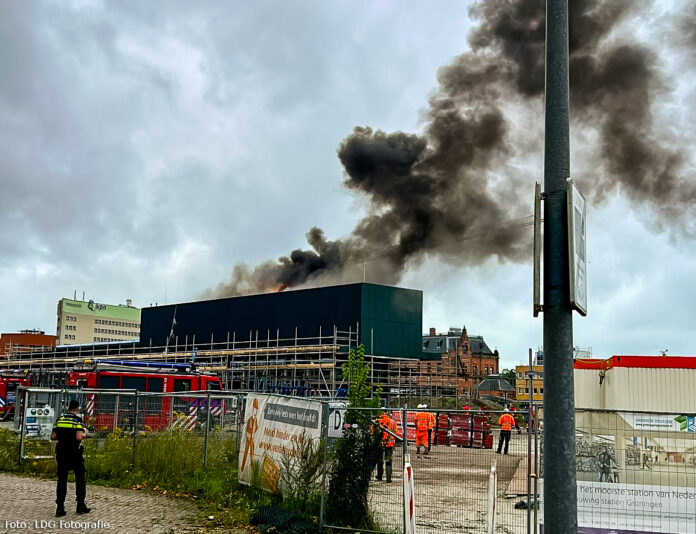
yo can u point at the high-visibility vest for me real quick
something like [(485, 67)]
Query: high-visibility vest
[(422, 421), (387, 422), (506, 421), (431, 421)]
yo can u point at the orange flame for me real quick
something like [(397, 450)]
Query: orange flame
[(281, 287)]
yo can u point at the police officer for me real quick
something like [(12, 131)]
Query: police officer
[(69, 431)]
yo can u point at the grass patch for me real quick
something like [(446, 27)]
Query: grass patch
[(168, 462)]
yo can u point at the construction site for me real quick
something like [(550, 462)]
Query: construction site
[(292, 343)]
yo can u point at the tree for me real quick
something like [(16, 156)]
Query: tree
[(509, 375)]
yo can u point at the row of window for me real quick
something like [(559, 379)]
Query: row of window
[(69, 336), (109, 322), (71, 318), (115, 332), (537, 374), (106, 339), (526, 390), (70, 327), (487, 370)]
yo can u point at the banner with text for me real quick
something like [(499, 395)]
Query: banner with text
[(274, 428), (635, 473)]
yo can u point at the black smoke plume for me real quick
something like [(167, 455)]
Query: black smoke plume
[(450, 192)]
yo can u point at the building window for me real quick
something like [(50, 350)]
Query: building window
[(475, 369), (526, 390), (541, 390), (519, 390)]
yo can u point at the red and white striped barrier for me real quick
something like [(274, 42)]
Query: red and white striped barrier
[(409, 505), (89, 408), (492, 497), (187, 422)]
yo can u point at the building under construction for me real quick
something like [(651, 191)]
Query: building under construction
[(289, 342)]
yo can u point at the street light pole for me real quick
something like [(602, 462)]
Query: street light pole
[(560, 493)]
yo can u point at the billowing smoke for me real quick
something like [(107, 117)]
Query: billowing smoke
[(450, 191)]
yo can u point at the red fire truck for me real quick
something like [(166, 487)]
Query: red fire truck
[(105, 410), (9, 382)]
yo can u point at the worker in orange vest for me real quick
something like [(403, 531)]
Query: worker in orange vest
[(422, 425), (431, 426), (386, 445), (506, 422), (517, 423)]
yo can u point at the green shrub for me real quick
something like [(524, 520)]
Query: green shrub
[(354, 455)]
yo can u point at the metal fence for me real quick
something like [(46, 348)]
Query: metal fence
[(636, 471), (453, 475), (200, 417), (451, 491)]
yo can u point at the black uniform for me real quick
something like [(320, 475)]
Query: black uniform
[(69, 457)]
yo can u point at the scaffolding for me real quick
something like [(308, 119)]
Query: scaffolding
[(302, 366)]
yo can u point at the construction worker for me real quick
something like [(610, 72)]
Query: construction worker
[(386, 445), (506, 422), (422, 425), (517, 423), (431, 426), (69, 431)]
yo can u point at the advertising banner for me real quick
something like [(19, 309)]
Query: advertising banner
[(635, 508), (641, 421), (635, 472), (274, 427)]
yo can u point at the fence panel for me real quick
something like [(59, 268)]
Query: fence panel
[(636, 471), (451, 456)]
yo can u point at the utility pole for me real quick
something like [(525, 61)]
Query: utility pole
[(560, 491)]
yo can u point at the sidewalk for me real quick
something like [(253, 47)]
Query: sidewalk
[(28, 505)]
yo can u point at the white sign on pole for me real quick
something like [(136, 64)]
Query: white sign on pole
[(577, 231), (537, 250), (337, 415)]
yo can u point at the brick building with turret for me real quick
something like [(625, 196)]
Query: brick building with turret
[(454, 363)]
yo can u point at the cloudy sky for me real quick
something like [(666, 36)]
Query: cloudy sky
[(147, 148)]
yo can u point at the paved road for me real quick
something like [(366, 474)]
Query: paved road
[(27, 502)]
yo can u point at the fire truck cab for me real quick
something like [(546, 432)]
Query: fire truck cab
[(104, 411), (9, 382)]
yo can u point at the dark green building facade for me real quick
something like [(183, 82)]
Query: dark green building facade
[(388, 319)]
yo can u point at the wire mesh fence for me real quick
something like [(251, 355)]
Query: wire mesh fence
[(636, 471), (200, 421), (451, 453)]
